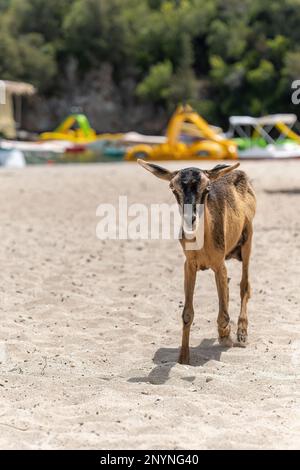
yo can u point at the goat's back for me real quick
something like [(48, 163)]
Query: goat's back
[(232, 190)]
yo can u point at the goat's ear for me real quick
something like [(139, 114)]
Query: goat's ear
[(158, 171), (220, 170)]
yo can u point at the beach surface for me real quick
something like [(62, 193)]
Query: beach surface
[(90, 329)]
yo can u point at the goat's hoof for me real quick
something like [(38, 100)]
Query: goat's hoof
[(226, 342), (184, 359), (242, 338)]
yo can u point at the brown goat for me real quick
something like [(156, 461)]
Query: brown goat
[(229, 207)]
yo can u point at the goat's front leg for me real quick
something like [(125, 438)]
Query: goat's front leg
[(188, 310), (223, 317)]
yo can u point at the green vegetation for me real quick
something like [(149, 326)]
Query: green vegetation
[(224, 57)]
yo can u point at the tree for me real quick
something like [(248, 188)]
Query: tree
[(156, 85), (225, 58)]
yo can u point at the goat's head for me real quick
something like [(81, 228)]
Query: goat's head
[(189, 186)]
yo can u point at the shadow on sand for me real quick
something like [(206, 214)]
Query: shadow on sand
[(166, 358), (283, 191)]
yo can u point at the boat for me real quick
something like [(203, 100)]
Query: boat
[(188, 137), (77, 129), (12, 158), (267, 137)]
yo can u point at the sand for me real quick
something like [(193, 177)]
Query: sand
[(90, 329)]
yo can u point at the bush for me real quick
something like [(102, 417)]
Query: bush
[(156, 85)]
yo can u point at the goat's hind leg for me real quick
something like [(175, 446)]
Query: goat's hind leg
[(223, 317), (188, 311), (245, 289)]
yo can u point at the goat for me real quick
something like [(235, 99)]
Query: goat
[(229, 206)]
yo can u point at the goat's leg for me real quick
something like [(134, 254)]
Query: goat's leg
[(188, 310), (245, 290), (223, 317)]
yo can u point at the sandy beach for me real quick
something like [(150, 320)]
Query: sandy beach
[(90, 329)]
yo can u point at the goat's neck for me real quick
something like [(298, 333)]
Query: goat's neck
[(206, 212), (207, 219)]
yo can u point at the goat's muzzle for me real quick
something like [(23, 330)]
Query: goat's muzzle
[(190, 220)]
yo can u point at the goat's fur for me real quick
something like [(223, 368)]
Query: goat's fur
[(229, 208)]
